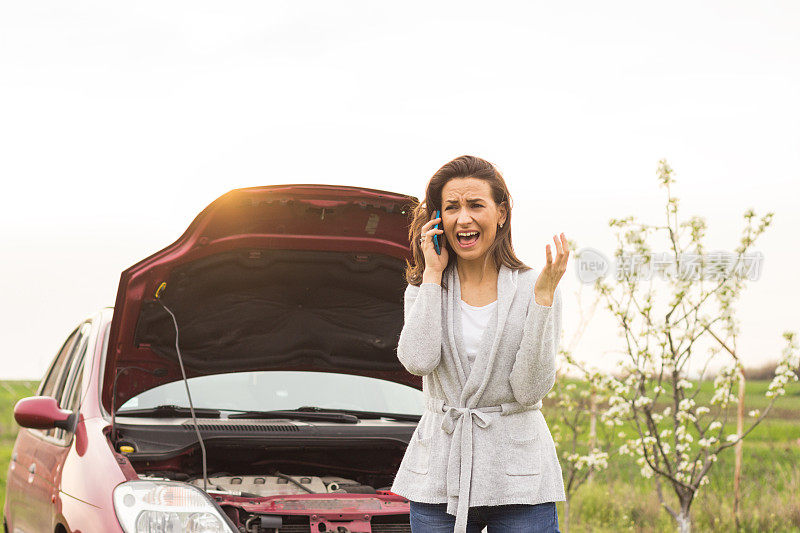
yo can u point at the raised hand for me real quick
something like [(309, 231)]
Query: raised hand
[(545, 288)]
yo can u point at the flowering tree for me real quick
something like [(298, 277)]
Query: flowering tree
[(581, 450), (575, 401), (678, 432)]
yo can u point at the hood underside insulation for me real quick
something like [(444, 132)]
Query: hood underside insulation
[(260, 309)]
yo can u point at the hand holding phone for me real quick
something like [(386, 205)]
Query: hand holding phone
[(433, 244), (436, 237)]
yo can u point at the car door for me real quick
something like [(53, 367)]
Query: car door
[(25, 491), (20, 488), (54, 444)]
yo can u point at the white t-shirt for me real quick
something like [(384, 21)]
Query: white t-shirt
[(473, 323)]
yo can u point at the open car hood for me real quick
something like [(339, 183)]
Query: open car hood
[(287, 277)]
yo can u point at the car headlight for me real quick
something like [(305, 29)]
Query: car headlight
[(166, 507)]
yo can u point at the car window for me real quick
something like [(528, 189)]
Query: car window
[(48, 383), (69, 403), (68, 371), (72, 396), (76, 367), (263, 391), (71, 393)]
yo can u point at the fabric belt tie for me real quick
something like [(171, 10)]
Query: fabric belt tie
[(458, 421)]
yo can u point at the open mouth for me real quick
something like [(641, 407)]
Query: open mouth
[(467, 239)]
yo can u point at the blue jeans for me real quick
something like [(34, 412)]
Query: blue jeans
[(515, 518)]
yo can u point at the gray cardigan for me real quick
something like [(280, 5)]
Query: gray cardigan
[(482, 439)]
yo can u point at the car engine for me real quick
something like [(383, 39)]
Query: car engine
[(262, 486)]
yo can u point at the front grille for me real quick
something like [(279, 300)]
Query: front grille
[(296, 528), (295, 524), (391, 528), (380, 524), (390, 524), (376, 528)]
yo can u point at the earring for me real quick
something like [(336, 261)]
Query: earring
[(501, 225)]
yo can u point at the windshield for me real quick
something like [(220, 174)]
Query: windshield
[(279, 390)]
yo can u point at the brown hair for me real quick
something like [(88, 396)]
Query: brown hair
[(466, 166)]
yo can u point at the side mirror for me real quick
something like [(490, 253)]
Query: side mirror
[(42, 412)]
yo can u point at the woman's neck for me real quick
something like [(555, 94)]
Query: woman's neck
[(477, 271)]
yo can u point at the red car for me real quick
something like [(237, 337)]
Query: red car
[(275, 318)]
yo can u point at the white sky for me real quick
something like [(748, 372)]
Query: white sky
[(120, 122)]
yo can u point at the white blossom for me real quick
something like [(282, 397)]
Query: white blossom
[(686, 404), (641, 401)]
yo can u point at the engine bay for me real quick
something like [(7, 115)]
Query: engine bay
[(315, 477), (282, 485)]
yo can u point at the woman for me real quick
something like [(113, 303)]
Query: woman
[(482, 330)]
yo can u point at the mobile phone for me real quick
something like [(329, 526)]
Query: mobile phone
[(436, 236)]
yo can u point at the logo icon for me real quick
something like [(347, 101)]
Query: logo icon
[(591, 264)]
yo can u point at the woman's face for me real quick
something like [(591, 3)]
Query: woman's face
[(470, 216)]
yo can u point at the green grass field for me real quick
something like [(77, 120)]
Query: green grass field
[(10, 392), (619, 499)]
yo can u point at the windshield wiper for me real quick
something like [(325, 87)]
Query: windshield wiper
[(361, 414), (306, 412), (325, 416), (169, 411)]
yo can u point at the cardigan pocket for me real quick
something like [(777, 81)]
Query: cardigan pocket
[(419, 454), (524, 458)]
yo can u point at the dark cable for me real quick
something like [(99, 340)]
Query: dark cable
[(189, 395), (292, 480)]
